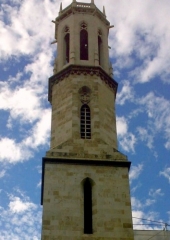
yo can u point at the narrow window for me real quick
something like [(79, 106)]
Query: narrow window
[(83, 45), (67, 48), (83, 42), (85, 123), (66, 45), (99, 48), (87, 207)]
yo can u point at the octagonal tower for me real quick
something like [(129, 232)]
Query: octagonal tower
[(85, 184)]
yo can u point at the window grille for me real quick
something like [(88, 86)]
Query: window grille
[(85, 122)]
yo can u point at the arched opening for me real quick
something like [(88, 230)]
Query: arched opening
[(83, 45), (67, 48), (87, 206), (99, 48), (85, 122)]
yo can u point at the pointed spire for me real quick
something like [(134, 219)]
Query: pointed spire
[(74, 1), (104, 12), (92, 1), (61, 8)]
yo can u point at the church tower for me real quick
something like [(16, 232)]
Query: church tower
[(85, 184)]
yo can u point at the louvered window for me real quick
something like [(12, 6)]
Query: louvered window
[(85, 122)]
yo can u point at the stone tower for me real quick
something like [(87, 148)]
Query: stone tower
[(85, 184)]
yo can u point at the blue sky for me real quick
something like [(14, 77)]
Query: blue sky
[(140, 54)]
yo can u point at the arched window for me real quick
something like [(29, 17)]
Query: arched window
[(85, 122), (87, 206), (100, 46), (83, 42), (66, 46)]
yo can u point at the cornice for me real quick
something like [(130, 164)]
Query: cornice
[(81, 70), (84, 8)]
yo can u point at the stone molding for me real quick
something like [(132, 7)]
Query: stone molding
[(124, 164), (78, 7), (79, 70)]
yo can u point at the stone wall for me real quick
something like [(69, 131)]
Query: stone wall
[(66, 106), (63, 202)]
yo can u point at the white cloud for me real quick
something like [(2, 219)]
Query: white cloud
[(16, 205), (142, 218), (21, 219), (27, 27), (154, 193), (12, 151), (2, 173), (125, 94), (39, 184), (139, 204), (144, 37), (40, 131), (136, 204), (40, 69), (21, 102), (127, 140), (149, 202), (145, 136), (137, 219), (135, 171), (166, 173), (158, 111), (24, 95), (122, 126)]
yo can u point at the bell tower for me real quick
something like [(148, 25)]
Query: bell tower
[(85, 184)]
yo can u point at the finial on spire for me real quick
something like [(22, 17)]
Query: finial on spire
[(61, 8), (104, 12)]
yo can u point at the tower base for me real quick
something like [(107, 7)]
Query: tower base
[(63, 200)]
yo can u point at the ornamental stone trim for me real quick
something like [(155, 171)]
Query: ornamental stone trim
[(82, 8), (81, 70)]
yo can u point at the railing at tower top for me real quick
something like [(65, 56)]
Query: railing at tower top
[(81, 7), (84, 5)]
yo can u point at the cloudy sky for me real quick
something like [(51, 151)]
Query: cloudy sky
[(140, 54)]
